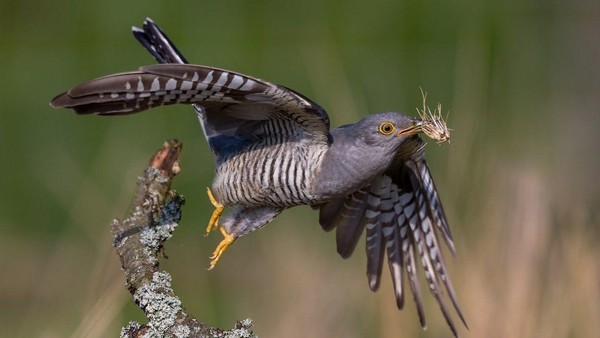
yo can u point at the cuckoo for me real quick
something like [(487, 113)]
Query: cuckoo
[(274, 149)]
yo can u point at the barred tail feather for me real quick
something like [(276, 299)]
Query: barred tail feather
[(157, 43)]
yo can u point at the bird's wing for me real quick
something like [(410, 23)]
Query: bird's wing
[(420, 221), (404, 218), (233, 108), (236, 105)]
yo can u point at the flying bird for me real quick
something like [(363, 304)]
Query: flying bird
[(274, 149)]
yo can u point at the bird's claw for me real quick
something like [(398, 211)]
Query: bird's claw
[(225, 243), (214, 218)]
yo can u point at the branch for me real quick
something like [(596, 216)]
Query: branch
[(139, 241)]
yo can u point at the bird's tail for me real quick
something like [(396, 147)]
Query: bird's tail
[(174, 81), (157, 43)]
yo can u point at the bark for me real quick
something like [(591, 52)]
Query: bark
[(139, 240)]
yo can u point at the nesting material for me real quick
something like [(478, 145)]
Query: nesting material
[(433, 124)]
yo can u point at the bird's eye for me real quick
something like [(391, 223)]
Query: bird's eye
[(386, 128)]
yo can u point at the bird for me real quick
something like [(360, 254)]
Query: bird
[(274, 149)]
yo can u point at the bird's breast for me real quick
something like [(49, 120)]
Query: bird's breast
[(279, 175), (349, 166)]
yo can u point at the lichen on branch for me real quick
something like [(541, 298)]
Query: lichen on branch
[(139, 240)]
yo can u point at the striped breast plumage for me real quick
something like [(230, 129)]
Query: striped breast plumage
[(277, 175)]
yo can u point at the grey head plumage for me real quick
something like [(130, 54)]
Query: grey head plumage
[(274, 149), (364, 150)]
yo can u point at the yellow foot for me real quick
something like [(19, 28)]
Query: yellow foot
[(214, 219), (225, 243)]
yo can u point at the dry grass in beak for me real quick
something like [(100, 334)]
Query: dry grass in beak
[(432, 123)]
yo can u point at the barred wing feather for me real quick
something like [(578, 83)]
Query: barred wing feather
[(403, 217), (233, 102)]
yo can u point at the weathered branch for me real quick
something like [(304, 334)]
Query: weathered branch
[(139, 240)]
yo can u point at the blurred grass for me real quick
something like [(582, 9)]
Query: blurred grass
[(519, 181)]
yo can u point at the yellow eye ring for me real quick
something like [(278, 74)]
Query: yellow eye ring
[(387, 128)]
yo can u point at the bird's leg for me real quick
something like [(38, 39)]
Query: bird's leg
[(214, 218), (239, 223), (225, 243)]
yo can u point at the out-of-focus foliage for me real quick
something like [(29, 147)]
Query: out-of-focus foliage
[(519, 180)]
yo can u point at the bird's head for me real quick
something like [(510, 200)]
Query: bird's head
[(388, 130)]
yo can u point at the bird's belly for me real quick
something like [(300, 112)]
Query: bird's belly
[(277, 176)]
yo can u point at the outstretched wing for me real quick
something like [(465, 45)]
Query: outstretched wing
[(404, 218), (219, 128), (235, 104), (233, 108)]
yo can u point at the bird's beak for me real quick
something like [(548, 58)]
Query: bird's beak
[(415, 129)]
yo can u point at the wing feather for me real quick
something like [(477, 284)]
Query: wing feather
[(373, 220), (394, 242), (228, 103), (329, 212), (350, 223), (432, 213), (404, 217)]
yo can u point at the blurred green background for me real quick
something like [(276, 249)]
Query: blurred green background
[(519, 181)]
